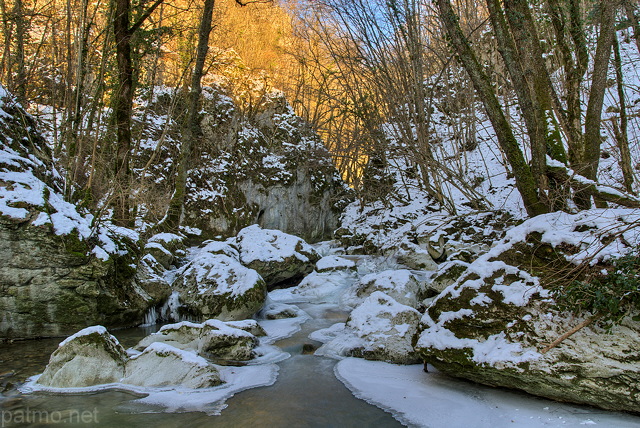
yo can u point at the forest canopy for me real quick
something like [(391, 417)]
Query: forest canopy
[(376, 79)]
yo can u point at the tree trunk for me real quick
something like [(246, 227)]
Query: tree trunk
[(123, 107), (633, 19), (19, 85), (192, 131), (525, 181), (620, 132), (574, 69), (7, 30), (588, 167), (521, 74)]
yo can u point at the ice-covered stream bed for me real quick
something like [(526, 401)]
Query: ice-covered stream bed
[(301, 390)]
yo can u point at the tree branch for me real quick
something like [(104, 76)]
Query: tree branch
[(246, 2), (144, 17), (590, 187), (570, 333)]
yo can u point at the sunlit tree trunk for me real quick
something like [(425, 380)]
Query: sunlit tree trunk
[(192, 131)]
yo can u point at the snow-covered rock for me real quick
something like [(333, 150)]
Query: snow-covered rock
[(401, 285), (334, 263), (379, 329), (165, 248), (161, 365), (213, 338), (218, 286), (268, 167), (319, 286), (93, 357), (250, 326), (275, 255), (276, 311), (60, 268), (492, 323), (90, 357)]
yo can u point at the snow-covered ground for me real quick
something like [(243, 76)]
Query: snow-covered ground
[(434, 400)]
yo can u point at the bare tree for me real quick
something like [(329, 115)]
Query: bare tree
[(123, 31), (519, 44)]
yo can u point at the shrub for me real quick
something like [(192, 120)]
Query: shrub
[(608, 295)]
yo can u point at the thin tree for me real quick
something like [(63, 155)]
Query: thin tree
[(525, 181), (123, 106), (192, 132)]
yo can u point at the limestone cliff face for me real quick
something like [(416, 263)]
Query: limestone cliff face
[(262, 165), (59, 270)]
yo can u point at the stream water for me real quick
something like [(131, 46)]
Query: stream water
[(306, 392)]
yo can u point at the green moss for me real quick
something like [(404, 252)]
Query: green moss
[(33, 311), (75, 246), (70, 309)]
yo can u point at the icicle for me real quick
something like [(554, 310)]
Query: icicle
[(150, 318), (169, 311)]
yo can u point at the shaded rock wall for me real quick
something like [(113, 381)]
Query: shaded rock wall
[(59, 270)]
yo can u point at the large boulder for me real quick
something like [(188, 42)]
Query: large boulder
[(275, 255), (161, 365), (94, 357), (379, 329), (218, 286), (60, 269), (90, 357), (493, 323), (213, 338)]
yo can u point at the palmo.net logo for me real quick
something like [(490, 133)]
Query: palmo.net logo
[(34, 416)]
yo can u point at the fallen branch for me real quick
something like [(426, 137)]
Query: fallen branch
[(590, 187), (570, 333)]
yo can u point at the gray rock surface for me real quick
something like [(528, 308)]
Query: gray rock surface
[(90, 357), (218, 286), (268, 167), (275, 255), (56, 275), (161, 365)]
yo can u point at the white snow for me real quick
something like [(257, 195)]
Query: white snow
[(95, 329), (256, 243), (334, 263), (228, 275), (434, 400), (165, 349), (367, 318)]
